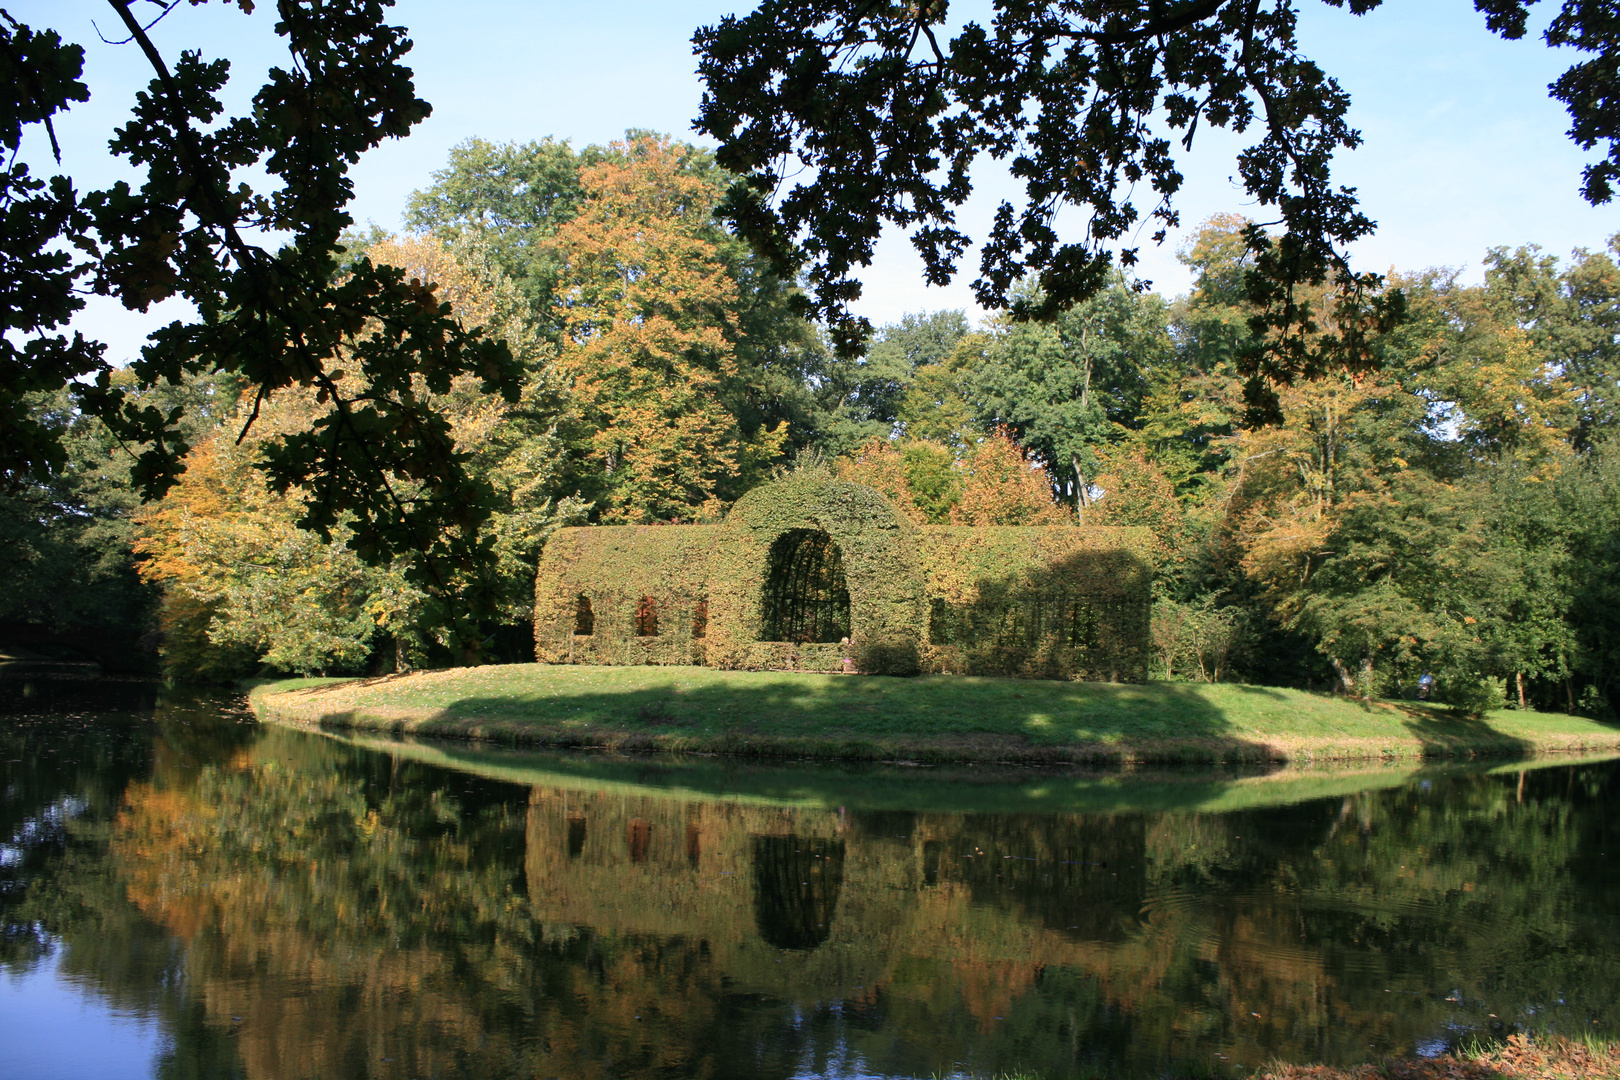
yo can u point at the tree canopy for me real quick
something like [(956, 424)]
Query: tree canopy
[(843, 116), (380, 456)]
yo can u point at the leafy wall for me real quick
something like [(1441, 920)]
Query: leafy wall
[(1047, 601), (625, 573), (1058, 602)]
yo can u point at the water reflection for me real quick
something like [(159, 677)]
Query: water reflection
[(796, 883), (288, 906)]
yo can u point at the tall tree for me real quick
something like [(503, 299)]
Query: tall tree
[(941, 402), (512, 197), (243, 584), (650, 317), (865, 398), (1067, 387), (1571, 315), (510, 200)]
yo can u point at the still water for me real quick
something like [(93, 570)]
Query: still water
[(185, 893)]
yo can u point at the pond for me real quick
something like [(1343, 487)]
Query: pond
[(185, 892)]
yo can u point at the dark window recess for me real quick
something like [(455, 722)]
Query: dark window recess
[(939, 624), (640, 836), (646, 617), (932, 849), (700, 619), (796, 885), (694, 844), (576, 837), (1083, 625), (806, 596), (584, 617)]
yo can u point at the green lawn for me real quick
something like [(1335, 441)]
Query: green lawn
[(931, 718)]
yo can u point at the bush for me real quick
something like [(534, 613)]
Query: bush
[(1470, 693), (887, 658)]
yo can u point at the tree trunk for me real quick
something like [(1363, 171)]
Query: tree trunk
[(1080, 500), (1366, 678), (1518, 678), (1347, 681)]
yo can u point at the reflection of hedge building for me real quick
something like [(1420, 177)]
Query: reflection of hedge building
[(802, 564), (815, 902)]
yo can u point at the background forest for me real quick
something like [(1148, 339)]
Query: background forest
[(1455, 512)]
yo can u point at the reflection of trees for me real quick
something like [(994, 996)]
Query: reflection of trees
[(1143, 940), (367, 917), (69, 768), (363, 920)]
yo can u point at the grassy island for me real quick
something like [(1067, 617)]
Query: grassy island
[(927, 719)]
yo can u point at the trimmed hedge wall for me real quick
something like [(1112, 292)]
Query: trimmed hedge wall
[(1049, 602), (616, 568), (1054, 602)]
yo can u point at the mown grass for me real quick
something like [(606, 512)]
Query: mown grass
[(931, 718)]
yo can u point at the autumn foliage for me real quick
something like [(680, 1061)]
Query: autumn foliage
[(993, 483), (649, 316)]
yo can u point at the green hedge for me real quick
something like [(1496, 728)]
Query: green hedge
[(1057, 602), (614, 567), (1053, 601), (879, 549)]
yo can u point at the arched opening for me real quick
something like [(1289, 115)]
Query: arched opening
[(584, 617), (646, 617), (796, 885), (806, 596), (700, 619)]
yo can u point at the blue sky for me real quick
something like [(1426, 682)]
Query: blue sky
[(1464, 150)]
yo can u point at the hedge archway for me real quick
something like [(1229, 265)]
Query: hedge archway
[(806, 594), (877, 551)]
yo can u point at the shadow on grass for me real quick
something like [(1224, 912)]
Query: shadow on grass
[(1453, 734), (979, 735), (928, 720), (933, 720)]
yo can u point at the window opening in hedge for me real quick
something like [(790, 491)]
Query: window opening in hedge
[(694, 844), (700, 619), (576, 836), (584, 617), (806, 596), (646, 617), (940, 624), (1083, 626)]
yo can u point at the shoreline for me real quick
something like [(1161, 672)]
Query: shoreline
[(1527, 1057), (926, 720)]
